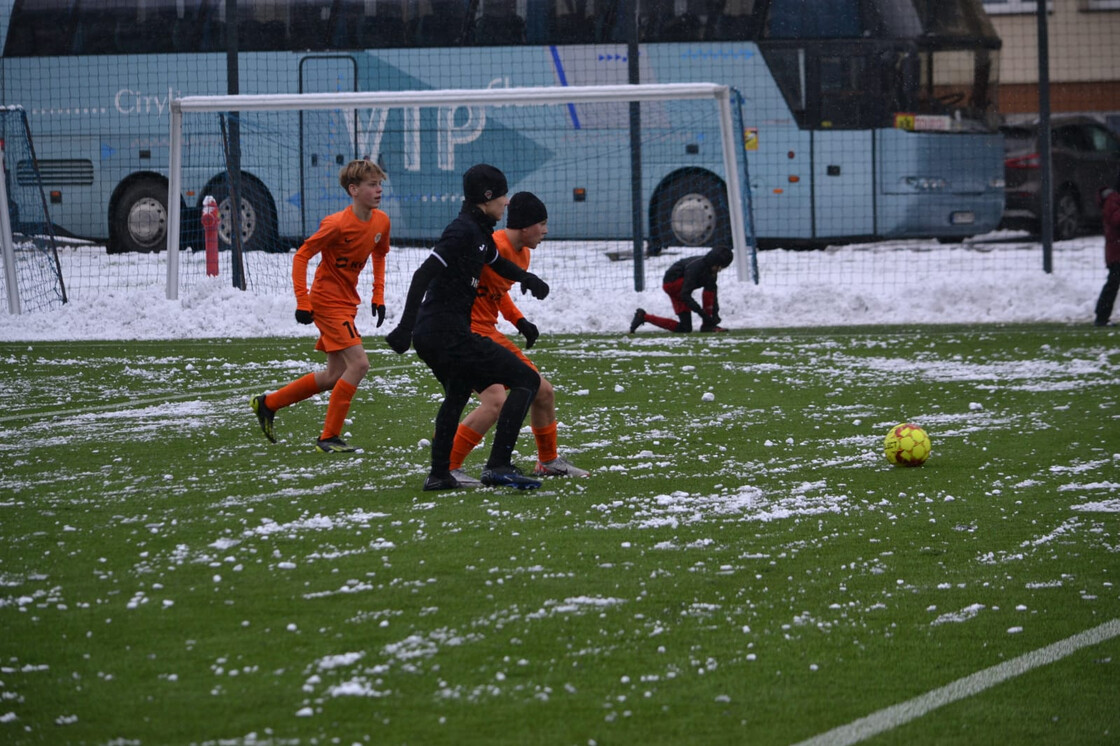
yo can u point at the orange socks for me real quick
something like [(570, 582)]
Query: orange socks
[(466, 440), (546, 442), (296, 391), (339, 405)]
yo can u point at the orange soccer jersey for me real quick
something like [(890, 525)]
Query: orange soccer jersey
[(493, 298), (493, 291), (345, 243)]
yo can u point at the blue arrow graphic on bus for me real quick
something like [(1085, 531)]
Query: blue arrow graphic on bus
[(107, 151)]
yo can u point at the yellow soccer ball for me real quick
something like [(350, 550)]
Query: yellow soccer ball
[(906, 445)]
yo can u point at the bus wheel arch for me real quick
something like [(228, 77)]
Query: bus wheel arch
[(689, 208), (138, 215), (258, 222)]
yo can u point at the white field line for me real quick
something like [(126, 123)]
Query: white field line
[(131, 403), (900, 714)]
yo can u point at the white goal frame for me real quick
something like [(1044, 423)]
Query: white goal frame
[(529, 96)]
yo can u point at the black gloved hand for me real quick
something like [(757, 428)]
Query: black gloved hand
[(379, 312), (706, 321), (535, 285), (716, 319), (304, 317), (528, 330), (400, 339)]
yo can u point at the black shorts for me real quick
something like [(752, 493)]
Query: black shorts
[(473, 360)]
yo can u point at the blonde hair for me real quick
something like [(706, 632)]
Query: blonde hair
[(355, 172)]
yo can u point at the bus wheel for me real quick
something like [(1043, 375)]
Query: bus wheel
[(690, 210), (256, 219), (139, 221)]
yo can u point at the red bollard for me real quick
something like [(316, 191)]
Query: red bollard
[(210, 231)]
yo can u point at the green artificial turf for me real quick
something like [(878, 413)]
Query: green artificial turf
[(743, 565)]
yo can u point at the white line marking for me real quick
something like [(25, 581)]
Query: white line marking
[(900, 714)]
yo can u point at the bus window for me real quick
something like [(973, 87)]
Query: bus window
[(207, 33), (787, 65), (439, 23), (899, 20), (734, 22), (844, 92), (802, 19), (673, 20), (373, 24), (309, 26), (40, 28), (499, 23)]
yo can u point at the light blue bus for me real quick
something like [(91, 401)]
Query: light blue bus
[(863, 119)]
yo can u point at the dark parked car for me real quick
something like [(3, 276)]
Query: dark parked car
[(1085, 155)]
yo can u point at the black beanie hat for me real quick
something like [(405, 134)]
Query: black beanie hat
[(721, 256), (525, 209), (482, 183)]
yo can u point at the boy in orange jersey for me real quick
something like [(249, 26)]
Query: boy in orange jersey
[(346, 240), (526, 226)]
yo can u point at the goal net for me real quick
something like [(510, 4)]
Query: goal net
[(32, 275), (633, 176)]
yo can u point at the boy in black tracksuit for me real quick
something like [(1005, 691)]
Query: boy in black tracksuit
[(681, 280), (437, 321)]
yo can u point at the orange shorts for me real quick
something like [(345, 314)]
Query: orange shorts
[(503, 340), (337, 329)]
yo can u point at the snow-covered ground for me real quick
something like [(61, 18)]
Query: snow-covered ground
[(996, 280)]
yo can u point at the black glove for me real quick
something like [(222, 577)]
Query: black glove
[(528, 330), (716, 319), (304, 317), (378, 311), (706, 321), (535, 285), (400, 339)]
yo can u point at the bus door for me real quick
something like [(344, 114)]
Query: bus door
[(328, 138), (843, 183)]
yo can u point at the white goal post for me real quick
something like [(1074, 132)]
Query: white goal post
[(529, 96)]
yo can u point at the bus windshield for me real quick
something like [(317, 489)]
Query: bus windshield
[(855, 64)]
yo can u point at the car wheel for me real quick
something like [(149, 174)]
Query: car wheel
[(1067, 216)]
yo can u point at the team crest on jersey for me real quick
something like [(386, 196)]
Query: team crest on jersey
[(377, 238)]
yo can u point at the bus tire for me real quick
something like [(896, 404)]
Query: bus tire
[(690, 209), (138, 221), (257, 217)]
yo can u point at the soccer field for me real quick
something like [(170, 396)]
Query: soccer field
[(742, 567)]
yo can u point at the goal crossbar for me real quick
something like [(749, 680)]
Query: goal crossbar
[(527, 96)]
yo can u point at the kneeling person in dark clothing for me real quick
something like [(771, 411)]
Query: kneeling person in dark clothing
[(681, 280), (436, 320)]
